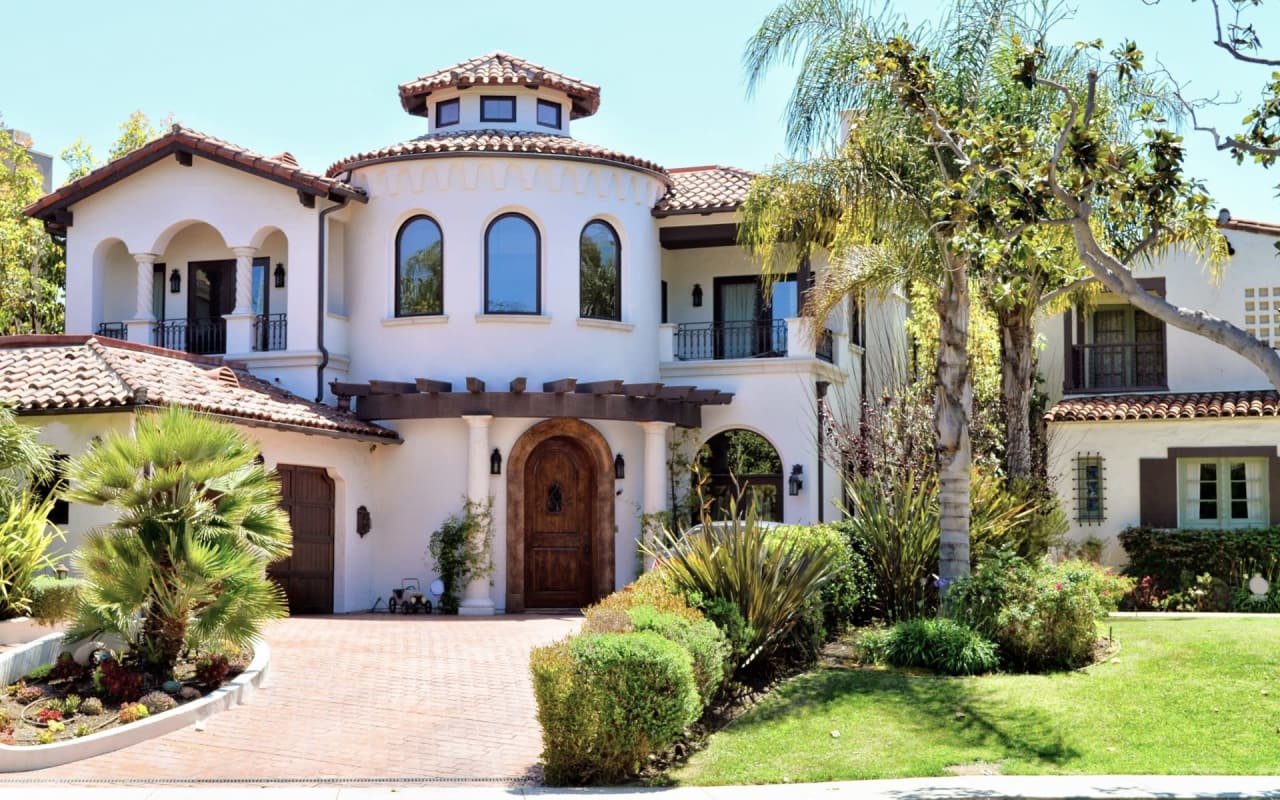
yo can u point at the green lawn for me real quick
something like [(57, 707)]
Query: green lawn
[(1194, 696)]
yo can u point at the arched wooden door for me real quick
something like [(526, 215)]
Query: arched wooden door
[(306, 576), (560, 489)]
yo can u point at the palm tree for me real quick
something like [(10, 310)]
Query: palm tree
[(184, 563)]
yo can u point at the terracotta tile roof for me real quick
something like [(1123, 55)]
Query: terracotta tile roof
[(1261, 403), (703, 189), (499, 69), (281, 168), (49, 373), (493, 141), (1250, 226)]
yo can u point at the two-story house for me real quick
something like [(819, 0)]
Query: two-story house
[(492, 310), (1152, 425)]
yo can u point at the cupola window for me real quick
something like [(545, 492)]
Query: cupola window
[(497, 109), (419, 268), (448, 112), (600, 272), (512, 266), (548, 114)]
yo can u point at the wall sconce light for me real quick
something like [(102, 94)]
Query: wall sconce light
[(279, 275), (62, 572), (175, 282), (495, 462), (619, 467), (364, 521), (796, 482), (697, 295)]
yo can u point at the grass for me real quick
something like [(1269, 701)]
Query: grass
[(1187, 696)]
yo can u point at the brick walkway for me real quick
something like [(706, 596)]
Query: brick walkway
[(370, 696)]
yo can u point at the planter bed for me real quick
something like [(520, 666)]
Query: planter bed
[(102, 733)]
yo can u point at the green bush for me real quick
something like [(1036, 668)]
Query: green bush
[(26, 541), (460, 550), (1174, 558), (842, 598), (605, 702), (942, 645), (770, 575), (703, 641), (898, 522), (724, 614), (54, 599), (1018, 516), (650, 589), (1040, 617)]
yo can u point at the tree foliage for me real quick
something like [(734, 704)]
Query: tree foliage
[(32, 272)]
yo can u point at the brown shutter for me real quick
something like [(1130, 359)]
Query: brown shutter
[(1158, 492), (1273, 490)]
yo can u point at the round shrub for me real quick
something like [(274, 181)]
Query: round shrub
[(158, 702), (650, 589), (701, 639), (607, 620)]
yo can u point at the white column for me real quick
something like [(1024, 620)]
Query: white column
[(240, 320), (654, 499), (667, 342), (476, 601), (139, 328)]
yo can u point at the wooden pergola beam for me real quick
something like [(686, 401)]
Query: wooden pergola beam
[(433, 387), (392, 387), (561, 386), (518, 385), (475, 385), (601, 387), (641, 389)]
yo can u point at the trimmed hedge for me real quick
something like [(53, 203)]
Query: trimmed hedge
[(605, 702), (703, 641), (1173, 558)]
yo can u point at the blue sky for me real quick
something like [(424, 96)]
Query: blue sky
[(319, 78)]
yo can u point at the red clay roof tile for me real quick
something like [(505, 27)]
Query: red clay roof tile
[(703, 189), (1262, 403), (499, 69), (493, 141), (83, 372)]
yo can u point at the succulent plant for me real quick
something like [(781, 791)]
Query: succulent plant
[(90, 707), (45, 737), (70, 704), (82, 730), (28, 695), (132, 712), (157, 702)]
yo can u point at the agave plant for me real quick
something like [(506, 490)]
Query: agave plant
[(184, 563), (769, 573)]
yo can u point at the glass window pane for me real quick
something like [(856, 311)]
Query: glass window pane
[(512, 266), (1239, 509), (421, 268), (548, 114), (1208, 510), (497, 109), (258, 292), (599, 272), (447, 113), (1209, 472)]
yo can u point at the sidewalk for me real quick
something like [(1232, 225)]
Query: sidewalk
[(986, 787)]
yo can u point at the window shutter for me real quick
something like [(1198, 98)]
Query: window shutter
[(1158, 492), (1273, 490)]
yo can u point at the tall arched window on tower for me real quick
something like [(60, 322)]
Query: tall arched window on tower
[(600, 272), (512, 266), (419, 268)]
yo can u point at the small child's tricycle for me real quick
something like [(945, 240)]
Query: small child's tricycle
[(409, 599)]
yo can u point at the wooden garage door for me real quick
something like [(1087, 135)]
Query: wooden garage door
[(306, 494)]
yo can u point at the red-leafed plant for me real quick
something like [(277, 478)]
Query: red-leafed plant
[(117, 681), (211, 670), (48, 715)]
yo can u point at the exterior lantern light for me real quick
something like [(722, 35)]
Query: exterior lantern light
[(697, 295), (796, 482), (495, 462), (364, 521), (175, 282), (619, 467), (279, 276)]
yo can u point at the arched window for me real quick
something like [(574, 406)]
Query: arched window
[(419, 268), (600, 272), (743, 461), (512, 266)]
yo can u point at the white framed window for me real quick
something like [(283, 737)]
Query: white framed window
[(1222, 493)]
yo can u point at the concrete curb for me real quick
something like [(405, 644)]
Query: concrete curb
[(19, 759)]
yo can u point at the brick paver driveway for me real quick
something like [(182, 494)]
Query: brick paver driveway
[(370, 696)]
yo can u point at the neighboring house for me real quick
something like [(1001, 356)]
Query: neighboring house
[(43, 161), (525, 316), (1150, 425)]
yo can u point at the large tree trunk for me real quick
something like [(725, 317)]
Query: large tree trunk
[(1017, 378), (953, 406)]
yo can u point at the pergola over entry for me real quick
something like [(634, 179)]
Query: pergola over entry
[(611, 400)]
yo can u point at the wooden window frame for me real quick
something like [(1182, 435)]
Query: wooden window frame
[(548, 104), (399, 238), (537, 253), (617, 272), (485, 117), (1223, 500), (455, 103)]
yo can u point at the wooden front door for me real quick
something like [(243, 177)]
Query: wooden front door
[(306, 494), (560, 488), (211, 292)]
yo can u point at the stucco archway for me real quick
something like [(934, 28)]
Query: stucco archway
[(602, 517)]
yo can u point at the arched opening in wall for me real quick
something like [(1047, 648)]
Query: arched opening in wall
[(742, 464), (116, 284)]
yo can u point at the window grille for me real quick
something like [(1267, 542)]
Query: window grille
[(1090, 505)]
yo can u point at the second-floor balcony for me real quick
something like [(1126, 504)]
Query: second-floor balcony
[(772, 338), (1118, 366), (208, 336)]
